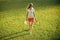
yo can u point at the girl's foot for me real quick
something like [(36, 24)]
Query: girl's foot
[(30, 33)]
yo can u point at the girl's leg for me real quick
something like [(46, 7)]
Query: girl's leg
[(30, 26)]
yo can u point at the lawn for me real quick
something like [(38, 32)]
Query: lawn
[(12, 17)]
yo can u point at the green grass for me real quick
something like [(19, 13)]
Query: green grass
[(12, 25), (12, 22)]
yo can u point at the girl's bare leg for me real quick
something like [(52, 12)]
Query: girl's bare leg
[(30, 26)]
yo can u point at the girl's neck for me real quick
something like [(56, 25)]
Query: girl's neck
[(30, 8)]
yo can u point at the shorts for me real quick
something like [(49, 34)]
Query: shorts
[(30, 19)]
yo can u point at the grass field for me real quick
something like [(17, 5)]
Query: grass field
[(12, 19)]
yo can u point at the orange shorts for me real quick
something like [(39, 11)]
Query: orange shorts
[(30, 19)]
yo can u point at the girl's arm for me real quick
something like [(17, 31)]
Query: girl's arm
[(27, 16), (34, 15)]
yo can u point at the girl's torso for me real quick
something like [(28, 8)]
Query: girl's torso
[(30, 13)]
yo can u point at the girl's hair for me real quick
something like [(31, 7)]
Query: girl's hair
[(30, 5)]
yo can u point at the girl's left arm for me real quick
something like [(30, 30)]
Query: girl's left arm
[(34, 15)]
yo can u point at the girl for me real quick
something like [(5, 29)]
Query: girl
[(30, 17)]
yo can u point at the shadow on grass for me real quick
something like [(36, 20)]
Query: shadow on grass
[(14, 35), (3, 5)]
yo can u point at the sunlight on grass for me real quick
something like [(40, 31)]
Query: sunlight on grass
[(13, 21)]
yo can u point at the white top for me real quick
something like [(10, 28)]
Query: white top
[(31, 13)]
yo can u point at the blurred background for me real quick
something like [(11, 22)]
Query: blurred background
[(16, 4), (12, 17)]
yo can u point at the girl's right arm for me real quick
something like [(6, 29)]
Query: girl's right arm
[(27, 16)]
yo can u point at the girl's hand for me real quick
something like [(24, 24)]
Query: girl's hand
[(26, 19), (34, 19)]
